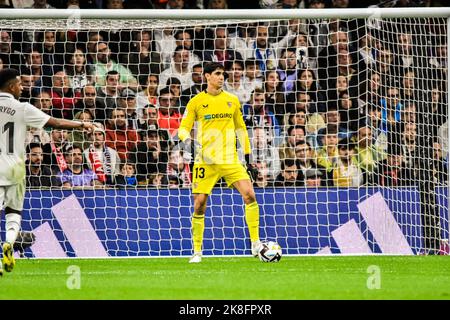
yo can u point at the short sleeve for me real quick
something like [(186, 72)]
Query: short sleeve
[(34, 117)]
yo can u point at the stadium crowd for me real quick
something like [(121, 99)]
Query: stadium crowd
[(326, 102)]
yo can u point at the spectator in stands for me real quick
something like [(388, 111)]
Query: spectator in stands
[(264, 151), (80, 138), (87, 102), (393, 172), (366, 52), (305, 161), (142, 60), (287, 70), (233, 83), (262, 179), (77, 174), (327, 155), (127, 176), (150, 156), (10, 57), (27, 82), (179, 168), (220, 50), (63, 97), (275, 100), (261, 50), (174, 86), (252, 75), (41, 4), (390, 109), (436, 109), (94, 37), (289, 4), (408, 143), (77, 70), (294, 135), (118, 136), (347, 173), (307, 83), (296, 119), (405, 56), (149, 121), (38, 174), (373, 94), (385, 64), (199, 84), (108, 94), (43, 101), (217, 4), (105, 63), (340, 4), (168, 116), (314, 178), (53, 151), (348, 111), (150, 94), (183, 38), (101, 159), (114, 4), (179, 68), (288, 177), (127, 101), (328, 57), (333, 117), (52, 54), (256, 114), (440, 168), (367, 154), (165, 43), (34, 63)]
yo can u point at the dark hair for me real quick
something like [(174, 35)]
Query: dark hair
[(33, 145), (179, 48), (287, 163), (250, 62), (295, 127), (229, 64), (164, 90), (173, 80), (346, 144), (111, 73), (7, 75), (210, 67)]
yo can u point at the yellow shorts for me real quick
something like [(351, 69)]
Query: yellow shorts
[(205, 176)]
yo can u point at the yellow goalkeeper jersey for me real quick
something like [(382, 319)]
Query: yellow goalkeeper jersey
[(219, 120)]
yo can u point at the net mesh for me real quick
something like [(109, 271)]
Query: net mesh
[(347, 120)]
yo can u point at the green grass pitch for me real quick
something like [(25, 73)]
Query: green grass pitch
[(227, 278)]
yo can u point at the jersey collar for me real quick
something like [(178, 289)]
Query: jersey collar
[(6, 95)]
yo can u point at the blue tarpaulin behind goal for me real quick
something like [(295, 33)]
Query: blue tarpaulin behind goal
[(152, 222)]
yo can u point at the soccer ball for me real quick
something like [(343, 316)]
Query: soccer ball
[(269, 251)]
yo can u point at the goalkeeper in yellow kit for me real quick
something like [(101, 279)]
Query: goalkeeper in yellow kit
[(219, 120)]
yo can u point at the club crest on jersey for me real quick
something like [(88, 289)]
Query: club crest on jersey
[(229, 104)]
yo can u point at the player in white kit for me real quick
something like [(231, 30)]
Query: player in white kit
[(15, 116)]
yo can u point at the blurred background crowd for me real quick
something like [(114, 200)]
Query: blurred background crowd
[(340, 102)]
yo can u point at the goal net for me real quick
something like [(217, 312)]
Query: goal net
[(347, 119)]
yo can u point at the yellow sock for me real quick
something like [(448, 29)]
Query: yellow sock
[(252, 219), (198, 227)]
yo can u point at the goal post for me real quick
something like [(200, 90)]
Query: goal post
[(351, 139)]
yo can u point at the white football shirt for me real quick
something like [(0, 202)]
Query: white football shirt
[(15, 116)]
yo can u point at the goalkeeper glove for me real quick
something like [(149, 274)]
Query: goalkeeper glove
[(186, 146), (251, 170)]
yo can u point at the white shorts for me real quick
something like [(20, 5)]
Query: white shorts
[(12, 196)]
